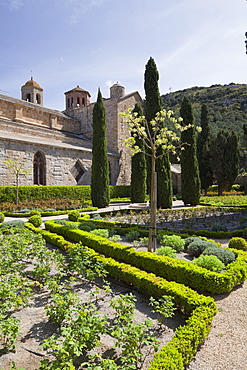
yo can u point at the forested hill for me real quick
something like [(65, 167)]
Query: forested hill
[(227, 105)]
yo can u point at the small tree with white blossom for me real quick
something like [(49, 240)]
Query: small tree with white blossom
[(17, 167), (154, 135)]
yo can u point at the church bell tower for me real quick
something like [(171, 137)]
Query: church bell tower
[(32, 92)]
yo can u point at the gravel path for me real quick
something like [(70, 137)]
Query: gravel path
[(225, 347)]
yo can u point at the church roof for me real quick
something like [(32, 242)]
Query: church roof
[(78, 88), (32, 83)]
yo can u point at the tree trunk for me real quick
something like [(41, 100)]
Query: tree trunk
[(153, 207), (17, 188)]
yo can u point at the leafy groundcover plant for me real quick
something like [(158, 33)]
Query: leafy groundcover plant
[(80, 324)]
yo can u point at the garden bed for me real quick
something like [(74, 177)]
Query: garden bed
[(35, 326)]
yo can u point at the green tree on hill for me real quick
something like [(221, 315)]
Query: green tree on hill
[(190, 179), (100, 191)]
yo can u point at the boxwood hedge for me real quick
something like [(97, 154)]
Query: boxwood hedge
[(199, 309), (180, 271)]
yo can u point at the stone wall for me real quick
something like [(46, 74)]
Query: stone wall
[(26, 128), (128, 101), (21, 111), (59, 163), (116, 132)]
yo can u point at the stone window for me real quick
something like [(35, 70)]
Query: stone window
[(38, 100), (83, 102), (39, 169), (77, 170), (28, 97), (68, 103), (78, 101)]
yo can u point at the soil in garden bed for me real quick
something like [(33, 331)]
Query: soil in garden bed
[(35, 326)]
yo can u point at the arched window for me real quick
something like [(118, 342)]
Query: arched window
[(28, 97), (37, 98), (39, 169)]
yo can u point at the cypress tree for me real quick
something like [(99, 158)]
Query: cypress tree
[(164, 181), (203, 151), (100, 191), (153, 106), (225, 162), (190, 179), (138, 169)]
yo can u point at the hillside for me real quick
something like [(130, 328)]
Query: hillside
[(227, 105)]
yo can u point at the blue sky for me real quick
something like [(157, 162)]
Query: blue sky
[(95, 43)]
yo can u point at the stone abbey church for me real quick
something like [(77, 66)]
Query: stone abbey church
[(57, 146)]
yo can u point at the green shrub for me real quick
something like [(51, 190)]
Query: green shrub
[(72, 224), (132, 235), (166, 251), (224, 255), (196, 248), (2, 217), (115, 238), (173, 241), (219, 228), (25, 210), (238, 243), (211, 263), (15, 223), (85, 228), (104, 233), (171, 269), (97, 216), (61, 222), (189, 240), (88, 224), (35, 220), (74, 215), (35, 212), (50, 210)]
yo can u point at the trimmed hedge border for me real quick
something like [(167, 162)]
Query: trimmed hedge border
[(171, 269), (223, 206), (48, 213), (200, 310), (8, 193)]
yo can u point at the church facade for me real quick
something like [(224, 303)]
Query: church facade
[(57, 146)]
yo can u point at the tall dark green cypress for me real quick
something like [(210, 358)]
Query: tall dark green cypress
[(203, 151), (164, 181), (225, 159), (190, 179), (100, 191), (138, 169), (153, 106)]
